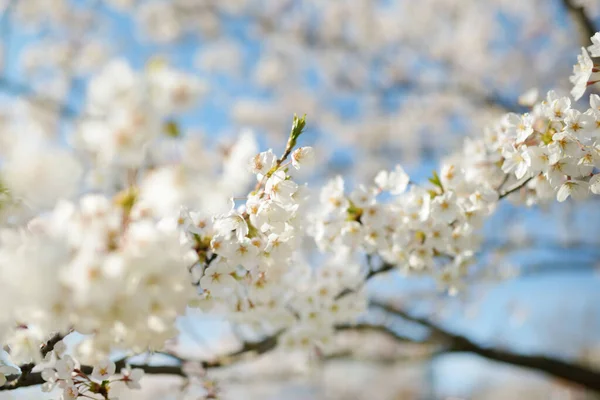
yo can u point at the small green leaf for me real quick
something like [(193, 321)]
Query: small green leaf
[(436, 181), (171, 129), (354, 212), (252, 231), (547, 137), (127, 199), (298, 126)]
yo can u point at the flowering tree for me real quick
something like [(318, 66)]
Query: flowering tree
[(115, 222)]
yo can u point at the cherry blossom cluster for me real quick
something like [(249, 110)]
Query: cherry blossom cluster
[(250, 267), (552, 152), (419, 229), (554, 146), (90, 239), (99, 270), (102, 383), (126, 110)]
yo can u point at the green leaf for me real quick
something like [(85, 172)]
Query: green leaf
[(127, 199), (436, 181), (547, 137), (298, 126), (171, 129), (252, 231)]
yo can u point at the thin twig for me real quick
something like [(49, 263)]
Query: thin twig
[(515, 188)]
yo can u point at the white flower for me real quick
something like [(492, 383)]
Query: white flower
[(445, 208), (64, 367), (529, 97), (594, 49), (394, 181), (332, 196), (60, 348), (558, 107), (115, 85), (173, 91), (448, 176), (352, 234), (280, 189), (303, 156), (514, 161), (374, 216), (38, 173), (132, 377), (363, 196), (595, 102), (595, 184), (104, 370), (70, 392), (232, 222), (557, 171), (521, 125), (582, 72), (537, 159), (438, 236), (263, 162), (270, 216), (484, 195), (50, 376), (577, 124), (195, 222), (159, 20), (241, 252), (25, 343), (278, 247), (576, 189), (421, 258), (218, 278)]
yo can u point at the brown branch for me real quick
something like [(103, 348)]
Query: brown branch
[(582, 20), (27, 368), (372, 272), (515, 188), (377, 329), (583, 376), (34, 379), (260, 347), (28, 378)]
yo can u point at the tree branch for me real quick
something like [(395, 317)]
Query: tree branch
[(372, 272), (27, 368), (574, 373), (582, 20), (375, 328), (34, 379), (515, 188)]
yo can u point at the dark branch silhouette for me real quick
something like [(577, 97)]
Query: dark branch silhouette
[(585, 24), (574, 373)]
